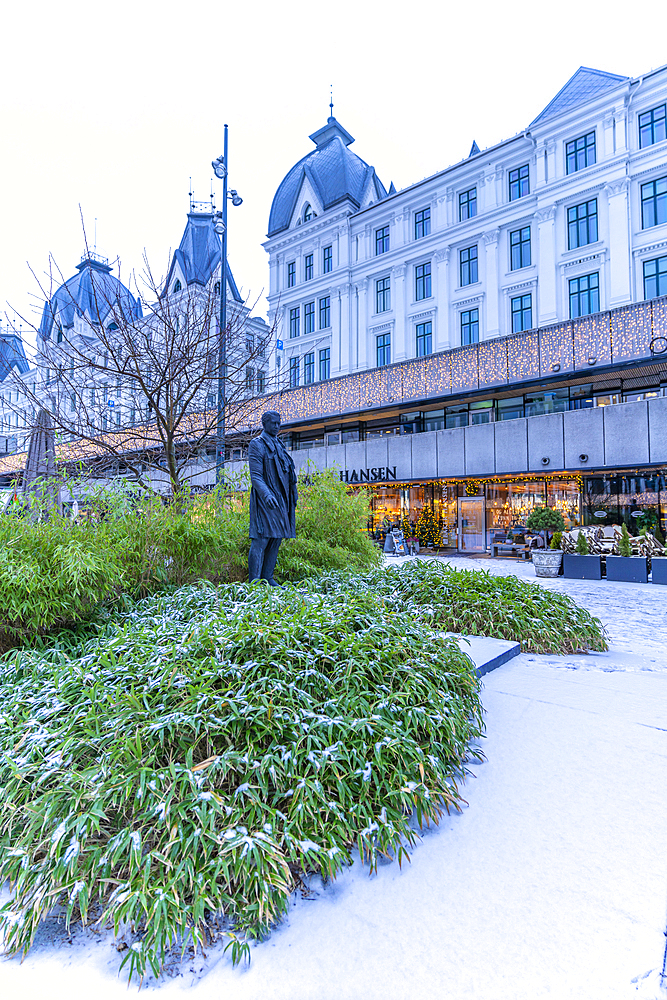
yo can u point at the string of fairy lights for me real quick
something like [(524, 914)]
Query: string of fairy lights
[(583, 344)]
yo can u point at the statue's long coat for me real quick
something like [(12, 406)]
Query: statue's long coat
[(272, 473)]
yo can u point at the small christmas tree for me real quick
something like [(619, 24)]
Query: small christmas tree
[(624, 542), (427, 529), (582, 544), (405, 526)]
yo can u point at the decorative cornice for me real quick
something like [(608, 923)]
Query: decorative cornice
[(423, 315), (491, 238), (529, 283), (382, 328), (599, 256), (545, 214), (399, 270), (613, 188), (640, 251), (442, 255), (470, 301)]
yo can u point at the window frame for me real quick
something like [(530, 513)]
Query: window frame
[(327, 259), (308, 267), (470, 264), (522, 311), (468, 204), (520, 245), (471, 323), (291, 274), (660, 276), (423, 281), (325, 310), (325, 364), (587, 291), (384, 292), (657, 200), (382, 240), (294, 322), (573, 155), (424, 339), (309, 368), (294, 372), (575, 225), (518, 183), (423, 222), (652, 125), (384, 347), (309, 317)]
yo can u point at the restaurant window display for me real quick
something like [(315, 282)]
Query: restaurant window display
[(639, 501)]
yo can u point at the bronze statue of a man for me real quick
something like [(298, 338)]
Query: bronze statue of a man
[(273, 499)]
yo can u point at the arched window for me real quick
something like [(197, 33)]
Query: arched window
[(216, 288), (177, 286), (307, 213)]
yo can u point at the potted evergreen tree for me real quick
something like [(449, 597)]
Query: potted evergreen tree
[(543, 519), (582, 564), (624, 566)]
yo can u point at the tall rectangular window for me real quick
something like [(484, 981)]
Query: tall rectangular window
[(652, 126), (520, 248), (325, 364), (309, 368), (654, 203), (381, 240), (522, 313), (383, 348), (422, 223), (325, 312), (423, 281), (424, 339), (467, 204), (250, 379), (655, 277), (327, 260), (309, 317), (294, 316), (470, 326), (468, 265), (383, 294), (584, 295), (308, 267), (582, 224), (291, 274), (580, 153), (519, 180), (261, 382), (293, 372)]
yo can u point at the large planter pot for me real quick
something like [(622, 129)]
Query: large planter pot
[(627, 569), (546, 561), (577, 567), (659, 569)]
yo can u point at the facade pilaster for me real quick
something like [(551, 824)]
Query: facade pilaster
[(442, 339), (491, 243), (399, 347), (619, 243), (362, 333), (547, 298)]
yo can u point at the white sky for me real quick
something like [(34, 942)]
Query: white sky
[(114, 106)]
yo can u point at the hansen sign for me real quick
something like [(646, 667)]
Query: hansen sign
[(376, 475)]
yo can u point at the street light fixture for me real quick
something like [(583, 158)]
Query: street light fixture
[(220, 167)]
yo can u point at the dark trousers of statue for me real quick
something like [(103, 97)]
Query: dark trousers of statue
[(263, 558)]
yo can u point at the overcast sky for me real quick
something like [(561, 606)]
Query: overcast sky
[(115, 106)]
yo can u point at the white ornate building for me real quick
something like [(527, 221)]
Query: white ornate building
[(568, 217)]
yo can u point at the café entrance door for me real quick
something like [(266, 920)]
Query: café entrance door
[(472, 533)]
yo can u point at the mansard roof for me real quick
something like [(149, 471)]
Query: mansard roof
[(198, 255), (12, 354), (335, 173), (91, 294), (585, 85)]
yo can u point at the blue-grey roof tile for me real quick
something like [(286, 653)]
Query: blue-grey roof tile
[(582, 87)]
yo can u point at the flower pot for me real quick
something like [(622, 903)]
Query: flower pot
[(627, 569), (546, 561), (659, 569), (576, 567)]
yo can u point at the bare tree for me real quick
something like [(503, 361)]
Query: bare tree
[(139, 393)]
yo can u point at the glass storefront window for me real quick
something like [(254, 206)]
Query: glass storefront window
[(456, 416), (482, 412), (553, 401), (434, 420), (565, 497), (510, 409)]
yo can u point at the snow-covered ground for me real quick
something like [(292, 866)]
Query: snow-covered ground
[(551, 883)]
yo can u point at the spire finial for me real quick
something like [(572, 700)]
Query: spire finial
[(331, 102)]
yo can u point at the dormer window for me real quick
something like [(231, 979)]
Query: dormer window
[(177, 286), (307, 213), (112, 326)]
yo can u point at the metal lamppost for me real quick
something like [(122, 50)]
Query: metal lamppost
[(220, 170)]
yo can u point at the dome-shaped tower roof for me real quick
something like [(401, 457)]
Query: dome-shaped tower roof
[(334, 172), (91, 294)]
